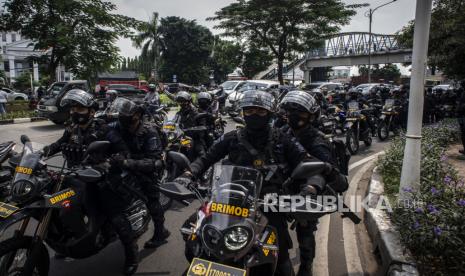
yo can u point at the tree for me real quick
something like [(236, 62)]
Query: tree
[(149, 40), (185, 51), (283, 26), (226, 57), (447, 37), (80, 34), (256, 60), (389, 72)]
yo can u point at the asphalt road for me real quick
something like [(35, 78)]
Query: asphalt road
[(342, 248)]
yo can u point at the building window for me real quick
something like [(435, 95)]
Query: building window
[(4, 37), (13, 37), (6, 65)]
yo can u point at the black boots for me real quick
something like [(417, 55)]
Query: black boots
[(131, 252), (305, 269), (159, 237)]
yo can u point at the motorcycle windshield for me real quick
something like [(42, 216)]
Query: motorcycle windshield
[(353, 106), (389, 103), (29, 160), (235, 192)]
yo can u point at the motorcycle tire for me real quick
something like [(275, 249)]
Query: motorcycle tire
[(15, 245), (383, 131), (351, 142), (368, 141)]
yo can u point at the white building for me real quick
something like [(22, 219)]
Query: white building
[(15, 51)]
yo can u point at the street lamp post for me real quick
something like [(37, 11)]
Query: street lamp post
[(370, 15)]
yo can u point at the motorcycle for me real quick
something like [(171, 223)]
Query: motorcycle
[(357, 128), (158, 115), (42, 200), (229, 234), (6, 172), (338, 113), (388, 121)]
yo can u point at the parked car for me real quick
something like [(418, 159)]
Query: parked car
[(15, 96), (49, 106), (125, 89), (231, 86), (442, 88), (365, 88), (324, 87), (176, 87)]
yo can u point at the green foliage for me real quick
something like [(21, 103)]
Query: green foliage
[(256, 60), (18, 114), (80, 34), (185, 50), (283, 26), (447, 37), (433, 228), (225, 58), (23, 81), (389, 72), (149, 40)]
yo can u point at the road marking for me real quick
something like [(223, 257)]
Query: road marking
[(320, 263), (353, 261), (364, 160)]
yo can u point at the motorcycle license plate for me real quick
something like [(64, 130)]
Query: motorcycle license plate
[(201, 267), (7, 210), (169, 127), (185, 142)]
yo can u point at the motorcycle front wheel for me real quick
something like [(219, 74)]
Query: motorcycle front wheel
[(352, 142), (383, 131), (14, 254)]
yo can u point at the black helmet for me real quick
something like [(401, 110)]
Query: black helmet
[(204, 96), (183, 96), (300, 100), (257, 98), (78, 97), (125, 108)]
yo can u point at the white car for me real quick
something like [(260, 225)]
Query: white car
[(231, 86), (324, 87), (365, 88), (235, 96), (15, 96), (442, 87)]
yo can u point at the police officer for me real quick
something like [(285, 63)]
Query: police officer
[(205, 105), (258, 145), (152, 98), (82, 131), (301, 112), (140, 152), (186, 117)]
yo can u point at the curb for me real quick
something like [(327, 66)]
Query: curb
[(22, 120), (395, 258)]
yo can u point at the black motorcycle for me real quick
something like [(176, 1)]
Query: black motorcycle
[(357, 128), (6, 171), (64, 218), (229, 234), (389, 120)]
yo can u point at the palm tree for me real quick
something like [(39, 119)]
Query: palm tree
[(149, 40)]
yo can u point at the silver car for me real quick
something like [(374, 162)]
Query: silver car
[(15, 96)]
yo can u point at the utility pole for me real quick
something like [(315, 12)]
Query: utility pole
[(412, 154), (369, 14)]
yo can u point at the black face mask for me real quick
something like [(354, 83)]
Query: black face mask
[(295, 121), (203, 105), (255, 122), (79, 118)]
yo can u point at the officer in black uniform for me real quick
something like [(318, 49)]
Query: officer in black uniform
[(301, 112), (259, 145), (140, 151), (205, 105), (186, 117)]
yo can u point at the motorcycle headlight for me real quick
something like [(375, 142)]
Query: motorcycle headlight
[(171, 136), (22, 189), (236, 238)]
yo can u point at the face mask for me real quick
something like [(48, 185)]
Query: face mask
[(203, 105), (79, 118), (256, 122), (295, 121)]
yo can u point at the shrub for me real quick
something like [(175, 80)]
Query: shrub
[(434, 228)]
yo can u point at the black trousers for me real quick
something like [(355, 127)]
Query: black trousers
[(306, 237)]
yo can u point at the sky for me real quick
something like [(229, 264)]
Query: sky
[(386, 20)]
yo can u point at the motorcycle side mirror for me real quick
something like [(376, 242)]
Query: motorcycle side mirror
[(25, 139), (98, 147), (180, 160), (239, 120), (89, 175), (176, 191), (309, 169)]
